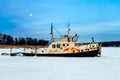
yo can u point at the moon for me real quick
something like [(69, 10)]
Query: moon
[(30, 14)]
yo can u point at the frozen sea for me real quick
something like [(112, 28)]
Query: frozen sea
[(106, 67)]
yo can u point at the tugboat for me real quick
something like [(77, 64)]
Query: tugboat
[(66, 47)]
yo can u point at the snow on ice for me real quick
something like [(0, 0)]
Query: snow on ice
[(106, 67)]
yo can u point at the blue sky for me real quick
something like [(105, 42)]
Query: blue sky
[(88, 18)]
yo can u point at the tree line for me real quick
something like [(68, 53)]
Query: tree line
[(9, 40), (111, 44)]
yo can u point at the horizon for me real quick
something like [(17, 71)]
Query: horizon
[(99, 19)]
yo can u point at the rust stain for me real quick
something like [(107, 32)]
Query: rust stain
[(71, 49)]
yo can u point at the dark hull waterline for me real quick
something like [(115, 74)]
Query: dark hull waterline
[(80, 54)]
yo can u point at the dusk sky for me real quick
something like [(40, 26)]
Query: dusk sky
[(88, 18)]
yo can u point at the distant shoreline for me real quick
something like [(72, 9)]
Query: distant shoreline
[(20, 46)]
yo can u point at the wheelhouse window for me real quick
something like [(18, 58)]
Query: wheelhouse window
[(77, 44), (58, 45), (53, 46)]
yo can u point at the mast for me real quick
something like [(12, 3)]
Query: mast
[(52, 37), (68, 30), (68, 33)]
